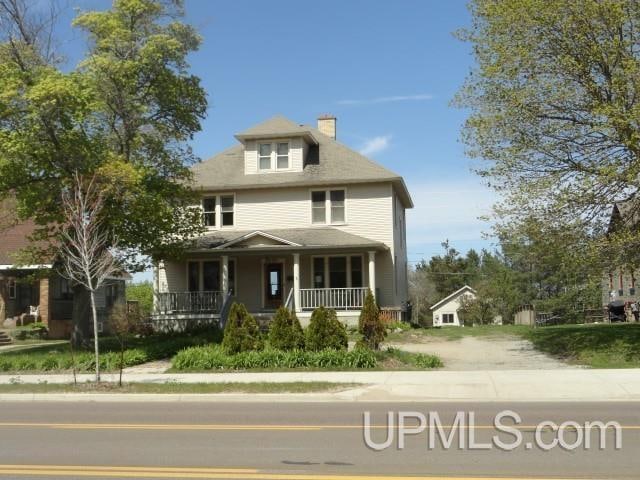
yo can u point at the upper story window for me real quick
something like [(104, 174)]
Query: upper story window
[(218, 210), (226, 208), (282, 156), (328, 206), (209, 211), (273, 156)]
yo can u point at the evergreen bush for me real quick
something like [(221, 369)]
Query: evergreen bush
[(370, 325), (285, 332), (325, 331), (241, 334)]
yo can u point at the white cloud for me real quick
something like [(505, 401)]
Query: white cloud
[(448, 209), (375, 145), (394, 98)]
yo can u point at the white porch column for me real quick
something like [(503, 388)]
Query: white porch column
[(296, 281), (225, 275), (372, 272)]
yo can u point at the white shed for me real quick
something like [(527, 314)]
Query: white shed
[(445, 312)]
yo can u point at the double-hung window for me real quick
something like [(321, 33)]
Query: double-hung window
[(218, 210), (447, 318), (282, 160), (337, 206), (319, 207), (328, 206), (264, 152), (273, 156), (226, 208), (209, 211)]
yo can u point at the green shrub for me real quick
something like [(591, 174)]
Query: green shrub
[(325, 331), (285, 331), (241, 333), (214, 358), (427, 361), (370, 324), (33, 331)]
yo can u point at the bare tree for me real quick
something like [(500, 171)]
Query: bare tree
[(86, 247)]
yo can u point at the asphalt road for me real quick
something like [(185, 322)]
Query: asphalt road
[(305, 441)]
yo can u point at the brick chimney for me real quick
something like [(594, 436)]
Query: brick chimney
[(327, 125)]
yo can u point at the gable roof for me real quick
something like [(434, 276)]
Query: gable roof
[(626, 213), (453, 296), (298, 238), (336, 164)]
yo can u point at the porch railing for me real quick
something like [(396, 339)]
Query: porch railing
[(336, 298), (188, 302)]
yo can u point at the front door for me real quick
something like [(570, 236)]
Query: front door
[(273, 285)]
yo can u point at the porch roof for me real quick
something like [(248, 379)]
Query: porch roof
[(285, 239)]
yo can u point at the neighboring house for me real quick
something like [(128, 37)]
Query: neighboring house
[(619, 283), (293, 218), (38, 288), (445, 312)]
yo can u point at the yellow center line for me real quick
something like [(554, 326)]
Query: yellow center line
[(214, 473), (284, 427)]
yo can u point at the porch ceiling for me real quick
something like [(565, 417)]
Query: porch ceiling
[(293, 239)]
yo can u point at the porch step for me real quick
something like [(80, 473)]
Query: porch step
[(5, 339)]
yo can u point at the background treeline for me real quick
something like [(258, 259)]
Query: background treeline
[(552, 270)]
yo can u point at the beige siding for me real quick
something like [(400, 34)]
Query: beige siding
[(172, 277), (369, 213), (251, 158), (401, 289)]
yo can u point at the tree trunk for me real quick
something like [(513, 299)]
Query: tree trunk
[(94, 314), (80, 317)]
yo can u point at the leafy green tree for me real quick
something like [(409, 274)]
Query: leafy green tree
[(141, 292), (370, 324), (124, 114), (325, 331), (241, 333), (555, 106), (285, 331)]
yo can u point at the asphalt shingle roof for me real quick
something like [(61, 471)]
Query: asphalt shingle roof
[(336, 163), (321, 237)]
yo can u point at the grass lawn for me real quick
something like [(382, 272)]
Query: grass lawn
[(456, 333), (106, 388), (57, 357), (597, 346)]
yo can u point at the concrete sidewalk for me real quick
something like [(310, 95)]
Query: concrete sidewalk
[(506, 385)]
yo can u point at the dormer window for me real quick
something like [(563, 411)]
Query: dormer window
[(273, 156), (265, 156), (283, 155)]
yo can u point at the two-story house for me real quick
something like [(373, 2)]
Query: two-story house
[(294, 218)]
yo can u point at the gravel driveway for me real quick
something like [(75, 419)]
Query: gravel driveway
[(485, 353)]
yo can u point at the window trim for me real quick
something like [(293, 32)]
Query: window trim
[(214, 211), (218, 212), (349, 271), (273, 157), (453, 318), (327, 206), (200, 261)]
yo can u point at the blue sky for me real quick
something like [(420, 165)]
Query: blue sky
[(387, 70)]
